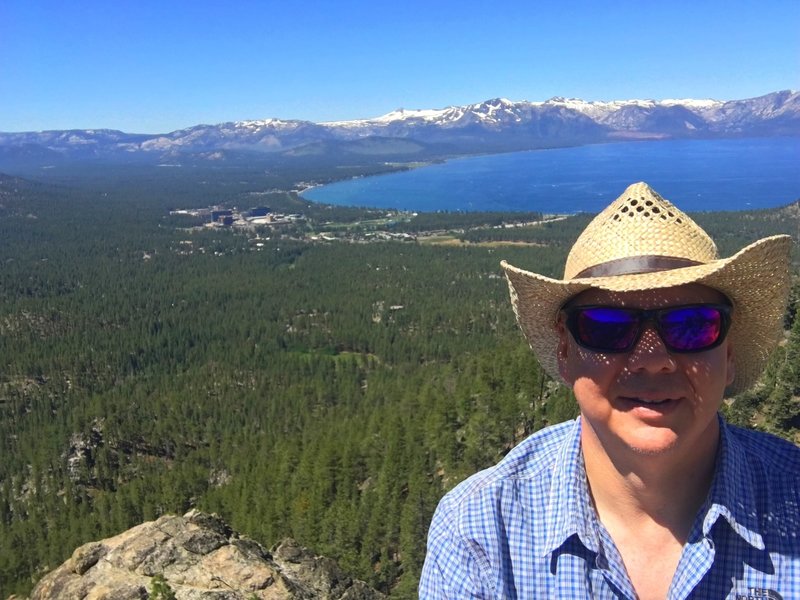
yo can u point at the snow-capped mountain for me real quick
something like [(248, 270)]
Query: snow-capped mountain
[(493, 125), (641, 116), (267, 135), (491, 116)]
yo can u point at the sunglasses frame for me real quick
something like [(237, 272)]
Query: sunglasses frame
[(644, 316)]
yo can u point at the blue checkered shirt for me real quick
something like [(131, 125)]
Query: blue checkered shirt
[(526, 528)]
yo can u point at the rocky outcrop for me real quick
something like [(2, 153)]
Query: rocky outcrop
[(200, 558)]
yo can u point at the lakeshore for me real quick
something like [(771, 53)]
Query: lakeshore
[(700, 175)]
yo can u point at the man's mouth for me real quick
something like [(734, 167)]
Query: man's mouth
[(647, 401)]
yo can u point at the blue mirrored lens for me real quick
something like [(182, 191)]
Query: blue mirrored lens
[(604, 328), (690, 328)]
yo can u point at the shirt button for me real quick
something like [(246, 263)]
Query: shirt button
[(601, 562), (708, 543)]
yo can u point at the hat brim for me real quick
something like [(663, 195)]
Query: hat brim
[(755, 279)]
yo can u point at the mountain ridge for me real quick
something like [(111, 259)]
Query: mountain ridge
[(493, 125)]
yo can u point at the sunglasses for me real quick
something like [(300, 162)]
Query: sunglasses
[(683, 329)]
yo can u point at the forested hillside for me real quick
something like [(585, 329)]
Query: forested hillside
[(331, 392)]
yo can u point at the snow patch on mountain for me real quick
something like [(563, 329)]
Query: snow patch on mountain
[(498, 124)]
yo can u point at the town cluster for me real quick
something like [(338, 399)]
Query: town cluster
[(255, 219), (231, 217)]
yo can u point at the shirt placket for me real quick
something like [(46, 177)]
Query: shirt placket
[(695, 562), (609, 564)]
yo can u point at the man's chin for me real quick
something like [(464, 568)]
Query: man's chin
[(653, 443), (653, 450)]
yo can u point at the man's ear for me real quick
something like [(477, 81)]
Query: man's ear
[(562, 350), (731, 367)]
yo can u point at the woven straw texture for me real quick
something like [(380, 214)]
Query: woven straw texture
[(642, 223), (639, 223)]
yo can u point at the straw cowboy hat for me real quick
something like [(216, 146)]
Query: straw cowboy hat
[(642, 241)]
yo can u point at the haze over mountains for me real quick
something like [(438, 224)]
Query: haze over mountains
[(496, 125)]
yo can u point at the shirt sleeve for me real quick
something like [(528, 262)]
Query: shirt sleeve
[(451, 571)]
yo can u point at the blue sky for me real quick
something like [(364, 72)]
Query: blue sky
[(158, 65)]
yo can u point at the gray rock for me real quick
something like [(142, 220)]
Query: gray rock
[(85, 557), (200, 541), (317, 575), (201, 558)]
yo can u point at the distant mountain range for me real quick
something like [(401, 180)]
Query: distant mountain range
[(496, 125)]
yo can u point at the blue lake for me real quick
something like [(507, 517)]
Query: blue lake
[(731, 174)]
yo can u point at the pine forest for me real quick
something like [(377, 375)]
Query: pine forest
[(327, 378)]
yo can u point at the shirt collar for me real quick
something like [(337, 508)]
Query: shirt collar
[(569, 506), (732, 494), (571, 511)]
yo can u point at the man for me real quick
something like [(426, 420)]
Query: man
[(649, 493)]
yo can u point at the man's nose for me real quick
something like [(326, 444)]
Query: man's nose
[(650, 353)]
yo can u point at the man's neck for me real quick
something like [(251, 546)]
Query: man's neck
[(648, 503), (664, 489)]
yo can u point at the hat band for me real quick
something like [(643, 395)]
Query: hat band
[(636, 264)]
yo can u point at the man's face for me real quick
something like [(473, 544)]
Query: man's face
[(648, 400)]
